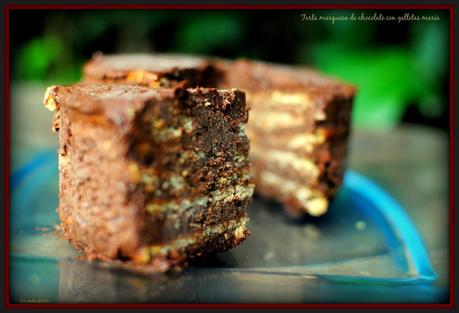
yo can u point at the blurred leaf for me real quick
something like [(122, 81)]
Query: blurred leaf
[(92, 26), (205, 33), (387, 81), (348, 33), (37, 56), (70, 73), (431, 54), (431, 48)]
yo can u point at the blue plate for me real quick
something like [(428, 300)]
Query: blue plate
[(366, 249)]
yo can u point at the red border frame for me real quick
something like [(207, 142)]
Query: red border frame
[(8, 7)]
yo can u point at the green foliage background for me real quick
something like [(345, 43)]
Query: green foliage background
[(391, 74)]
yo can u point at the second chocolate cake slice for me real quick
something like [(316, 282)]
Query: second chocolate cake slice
[(299, 130), (155, 176)]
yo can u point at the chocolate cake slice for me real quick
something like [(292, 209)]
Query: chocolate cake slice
[(298, 130), (152, 176), (158, 70), (299, 124)]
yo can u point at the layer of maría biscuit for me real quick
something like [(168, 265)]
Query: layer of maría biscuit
[(298, 130), (155, 176)]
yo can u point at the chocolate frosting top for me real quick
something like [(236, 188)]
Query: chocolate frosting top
[(120, 103), (117, 102), (259, 76)]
